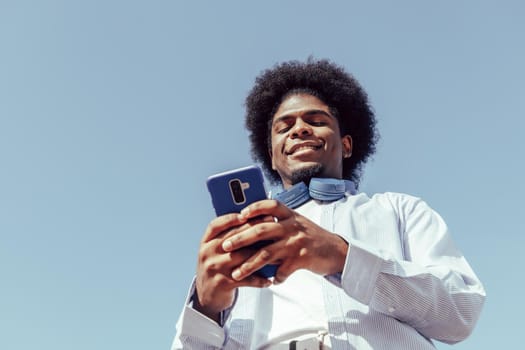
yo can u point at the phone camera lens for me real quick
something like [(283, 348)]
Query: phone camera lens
[(237, 192)]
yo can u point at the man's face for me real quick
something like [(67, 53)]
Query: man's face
[(305, 138)]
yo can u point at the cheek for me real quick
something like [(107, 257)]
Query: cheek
[(336, 143), (277, 152), (276, 145), (274, 152)]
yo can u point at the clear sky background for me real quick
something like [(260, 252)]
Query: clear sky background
[(113, 114)]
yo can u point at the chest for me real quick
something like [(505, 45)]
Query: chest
[(371, 222)]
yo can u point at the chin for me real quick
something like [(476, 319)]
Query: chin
[(306, 172)]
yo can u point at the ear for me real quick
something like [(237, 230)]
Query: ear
[(347, 146)]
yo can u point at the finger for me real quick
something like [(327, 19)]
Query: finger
[(267, 207), (262, 231), (221, 268), (247, 225), (284, 271), (213, 258), (221, 224), (262, 257)]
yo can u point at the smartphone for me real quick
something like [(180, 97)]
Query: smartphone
[(235, 189)]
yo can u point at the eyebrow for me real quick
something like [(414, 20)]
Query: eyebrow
[(308, 112)]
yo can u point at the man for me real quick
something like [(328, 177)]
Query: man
[(355, 272)]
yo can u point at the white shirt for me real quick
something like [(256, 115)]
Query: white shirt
[(404, 282)]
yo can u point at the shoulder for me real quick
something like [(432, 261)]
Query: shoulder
[(392, 199), (401, 203)]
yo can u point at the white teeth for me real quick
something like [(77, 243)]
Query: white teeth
[(314, 147)]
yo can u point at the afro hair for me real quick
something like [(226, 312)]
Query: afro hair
[(339, 90)]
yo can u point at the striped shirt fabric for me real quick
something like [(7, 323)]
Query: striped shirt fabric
[(404, 285)]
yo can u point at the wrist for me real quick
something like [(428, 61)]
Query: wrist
[(206, 311), (340, 253)]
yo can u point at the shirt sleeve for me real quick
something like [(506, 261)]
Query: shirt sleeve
[(197, 331), (432, 288)]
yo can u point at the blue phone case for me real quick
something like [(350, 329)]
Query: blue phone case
[(222, 195), (233, 190)]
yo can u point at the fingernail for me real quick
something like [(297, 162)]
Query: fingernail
[(227, 246), (236, 274)]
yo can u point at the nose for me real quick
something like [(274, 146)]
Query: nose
[(301, 129)]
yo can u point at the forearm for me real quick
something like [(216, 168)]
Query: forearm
[(441, 301)]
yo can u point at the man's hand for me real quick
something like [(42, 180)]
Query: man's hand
[(214, 283), (298, 243)]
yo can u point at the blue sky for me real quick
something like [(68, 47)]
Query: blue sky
[(113, 114)]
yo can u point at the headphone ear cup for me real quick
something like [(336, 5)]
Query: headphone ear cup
[(324, 189), (294, 196)]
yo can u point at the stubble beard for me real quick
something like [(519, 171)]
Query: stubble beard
[(305, 174)]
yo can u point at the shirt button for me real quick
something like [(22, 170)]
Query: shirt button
[(391, 309)]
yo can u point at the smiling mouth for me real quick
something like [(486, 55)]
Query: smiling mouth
[(303, 147)]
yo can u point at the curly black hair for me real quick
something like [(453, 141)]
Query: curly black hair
[(339, 90)]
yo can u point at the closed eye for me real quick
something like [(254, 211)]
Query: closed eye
[(282, 127), (315, 117)]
